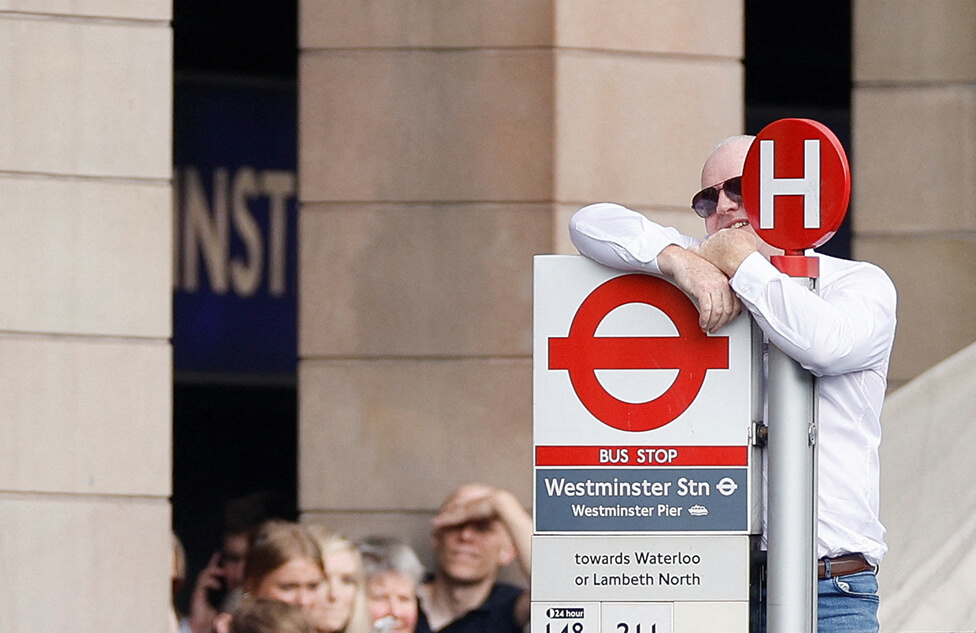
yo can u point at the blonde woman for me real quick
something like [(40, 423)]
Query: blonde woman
[(341, 607), (284, 563)]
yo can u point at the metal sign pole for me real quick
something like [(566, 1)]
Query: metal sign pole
[(792, 515), (796, 185)]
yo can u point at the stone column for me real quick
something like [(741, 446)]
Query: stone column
[(914, 149), (914, 146), (442, 145), (85, 301)]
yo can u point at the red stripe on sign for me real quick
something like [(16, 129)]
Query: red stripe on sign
[(644, 456)]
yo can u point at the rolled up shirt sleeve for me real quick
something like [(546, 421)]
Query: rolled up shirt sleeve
[(848, 326), (618, 237)]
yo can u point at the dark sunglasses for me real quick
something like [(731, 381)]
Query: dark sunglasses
[(706, 201)]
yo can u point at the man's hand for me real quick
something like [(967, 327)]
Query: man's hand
[(717, 304), (727, 248), (479, 502), (472, 502)]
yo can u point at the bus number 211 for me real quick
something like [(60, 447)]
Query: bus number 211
[(623, 627)]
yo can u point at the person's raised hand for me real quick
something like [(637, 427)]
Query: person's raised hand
[(709, 286), (471, 502)]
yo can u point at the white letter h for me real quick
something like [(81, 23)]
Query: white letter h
[(808, 186)]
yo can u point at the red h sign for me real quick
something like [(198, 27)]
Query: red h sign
[(796, 184)]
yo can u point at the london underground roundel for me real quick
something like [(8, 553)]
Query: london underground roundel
[(692, 353)]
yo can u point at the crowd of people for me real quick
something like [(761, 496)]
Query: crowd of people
[(281, 576)]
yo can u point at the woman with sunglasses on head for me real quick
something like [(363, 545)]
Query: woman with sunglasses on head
[(842, 334)]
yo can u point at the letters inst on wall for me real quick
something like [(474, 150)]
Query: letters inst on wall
[(234, 230)]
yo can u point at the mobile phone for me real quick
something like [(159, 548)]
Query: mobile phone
[(384, 624), (217, 597)]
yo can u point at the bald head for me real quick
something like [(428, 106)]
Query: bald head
[(726, 160)]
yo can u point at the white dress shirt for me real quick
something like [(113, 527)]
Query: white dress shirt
[(843, 335)]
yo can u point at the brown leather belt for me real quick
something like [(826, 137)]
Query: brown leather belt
[(843, 566)]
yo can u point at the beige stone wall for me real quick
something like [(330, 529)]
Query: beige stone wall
[(85, 361), (914, 147), (442, 145)]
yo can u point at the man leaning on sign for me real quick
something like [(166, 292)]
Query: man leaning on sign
[(843, 335)]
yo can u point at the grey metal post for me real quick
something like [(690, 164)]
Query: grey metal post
[(791, 605)]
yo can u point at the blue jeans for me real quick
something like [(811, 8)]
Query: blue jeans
[(848, 604), (845, 604)]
